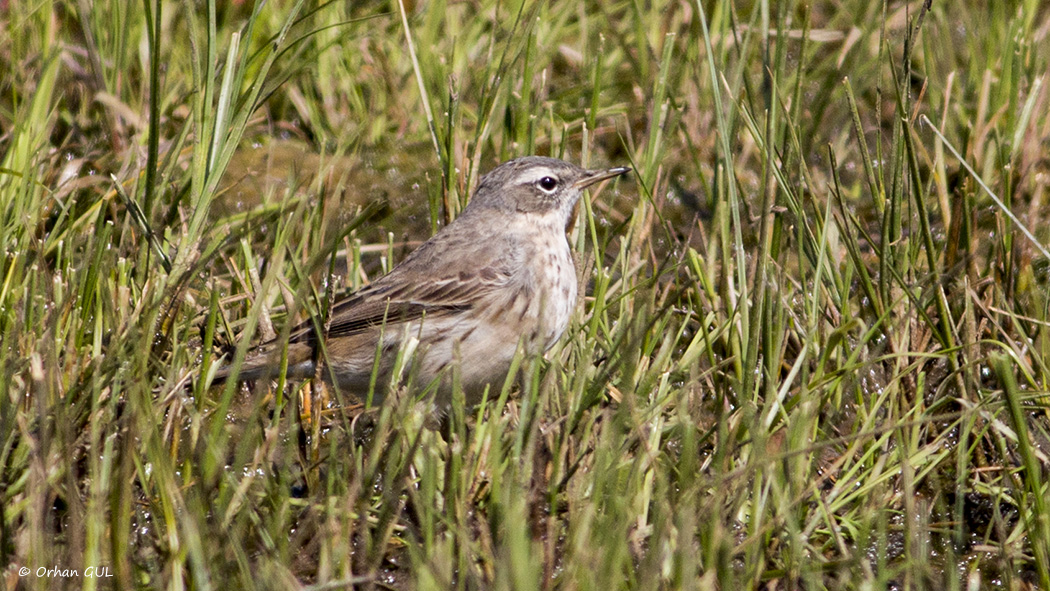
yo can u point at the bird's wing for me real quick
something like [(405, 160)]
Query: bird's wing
[(421, 286)]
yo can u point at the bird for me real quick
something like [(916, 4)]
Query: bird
[(497, 281)]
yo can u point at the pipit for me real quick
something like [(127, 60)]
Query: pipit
[(498, 280)]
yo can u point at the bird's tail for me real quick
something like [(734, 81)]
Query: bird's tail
[(267, 364)]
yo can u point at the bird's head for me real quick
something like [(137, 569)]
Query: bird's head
[(538, 185)]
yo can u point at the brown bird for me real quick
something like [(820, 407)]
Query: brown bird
[(499, 277)]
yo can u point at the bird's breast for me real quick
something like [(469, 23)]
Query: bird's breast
[(545, 286), (557, 291)]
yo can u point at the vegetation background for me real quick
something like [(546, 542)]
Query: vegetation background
[(813, 351)]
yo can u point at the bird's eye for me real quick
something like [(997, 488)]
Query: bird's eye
[(548, 183)]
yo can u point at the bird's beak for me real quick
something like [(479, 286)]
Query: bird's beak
[(597, 176), (593, 176)]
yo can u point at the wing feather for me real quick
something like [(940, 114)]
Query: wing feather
[(420, 286)]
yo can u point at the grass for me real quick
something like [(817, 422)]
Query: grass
[(813, 351)]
